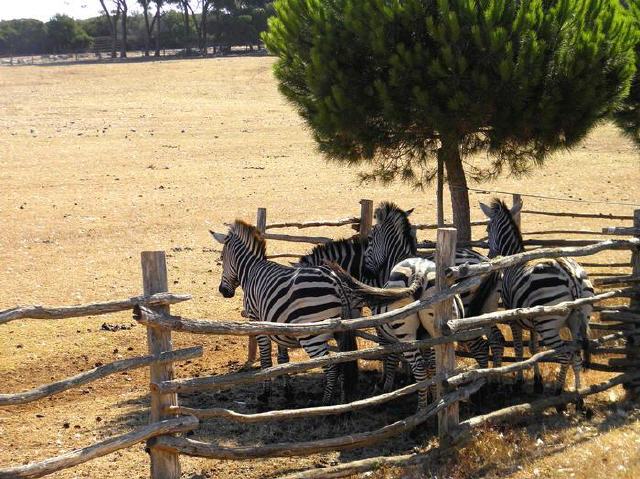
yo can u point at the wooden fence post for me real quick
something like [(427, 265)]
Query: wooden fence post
[(633, 342), (366, 217), (516, 199), (252, 346), (164, 465), (448, 418)]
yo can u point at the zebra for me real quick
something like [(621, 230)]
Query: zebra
[(391, 241), (348, 253), (542, 282), (410, 328), (283, 294)]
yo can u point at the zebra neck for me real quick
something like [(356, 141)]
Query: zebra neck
[(246, 263), (392, 261)]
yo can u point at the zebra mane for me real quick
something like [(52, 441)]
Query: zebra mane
[(500, 207), (320, 249), (250, 237), (388, 211)]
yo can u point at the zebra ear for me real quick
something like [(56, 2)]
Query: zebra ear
[(408, 212), (219, 237), (486, 210)]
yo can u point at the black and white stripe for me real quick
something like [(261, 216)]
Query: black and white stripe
[(392, 240), (542, 282), (277, 293)]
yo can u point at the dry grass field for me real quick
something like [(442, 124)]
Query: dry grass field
[(101, 162)]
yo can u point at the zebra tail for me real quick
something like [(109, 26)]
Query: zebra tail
[(347, 342), (481, 295), (362, 294)]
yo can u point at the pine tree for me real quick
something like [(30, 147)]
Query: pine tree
[(628, 116), (399, 83)]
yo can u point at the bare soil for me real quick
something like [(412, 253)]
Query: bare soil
[(101, 162)]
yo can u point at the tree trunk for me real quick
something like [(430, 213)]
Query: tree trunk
[(157, 53), (123, 48), (113, 26), (187, 32), (440, 198), (450, 153), (203, 29), (147, 30)]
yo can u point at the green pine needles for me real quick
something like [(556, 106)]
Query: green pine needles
[(395, 83), (628, 116)]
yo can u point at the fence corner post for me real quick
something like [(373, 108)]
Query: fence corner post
[(366, 217), (164, 464), (633, 342), (448, 418)]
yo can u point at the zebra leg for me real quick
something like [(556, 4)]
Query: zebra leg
[(538, 387), (516, 332), (316, 347), (577, 370), (264, 346), (283, 358), (420, 373), (479, 349), (429, 357), (389, 364), (496, 343), (551, 339)]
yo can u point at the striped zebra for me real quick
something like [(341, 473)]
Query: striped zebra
[(542, 282), (277, 293), (349, 254), (392, 240), (415, 326)]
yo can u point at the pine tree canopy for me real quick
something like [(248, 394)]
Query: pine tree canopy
[(390, 81), (628, 116)]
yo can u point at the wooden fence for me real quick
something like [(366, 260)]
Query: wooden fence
[(168, 418)]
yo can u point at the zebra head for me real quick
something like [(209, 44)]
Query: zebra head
[(502, 231), (241, 245), (390, 241)]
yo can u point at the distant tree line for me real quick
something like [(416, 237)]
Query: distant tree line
[(160, 24)]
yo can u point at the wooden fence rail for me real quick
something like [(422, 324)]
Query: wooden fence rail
[(467, 270), (202, 449), (43, 312), (102, 448), (239, 328), (226, 381), (98, 373), (152, 310)]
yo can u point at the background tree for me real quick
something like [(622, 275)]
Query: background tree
[(159, 5), (23, 37), (124, 10), (65, 34), (628, 116), (112, 14), (398, 84)]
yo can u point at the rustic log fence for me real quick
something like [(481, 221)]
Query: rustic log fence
[(168, 417)]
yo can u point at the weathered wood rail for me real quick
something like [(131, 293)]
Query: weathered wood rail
[(168, 417)]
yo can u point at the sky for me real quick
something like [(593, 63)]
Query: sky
[(45, 9)]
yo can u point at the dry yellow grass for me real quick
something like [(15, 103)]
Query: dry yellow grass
[(100, 162)]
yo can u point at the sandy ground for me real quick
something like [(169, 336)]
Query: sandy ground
[(101, 162)]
